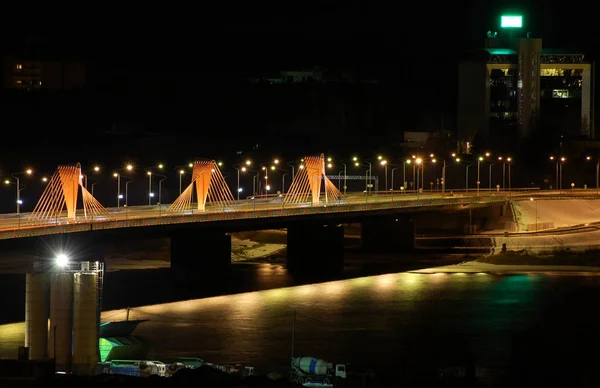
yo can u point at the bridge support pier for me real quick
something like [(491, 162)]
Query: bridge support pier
[(315, 249), (388, 234), (198, 252)]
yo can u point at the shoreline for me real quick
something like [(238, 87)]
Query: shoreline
[(476, 266)]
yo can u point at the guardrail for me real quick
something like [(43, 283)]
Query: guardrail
[(222, 215)]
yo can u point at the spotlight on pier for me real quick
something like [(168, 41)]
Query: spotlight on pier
[(62, 260)]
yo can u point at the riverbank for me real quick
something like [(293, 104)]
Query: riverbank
[(480, 266)]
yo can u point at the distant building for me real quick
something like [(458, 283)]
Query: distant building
[(315, 75), (28, 74), (514, 85)]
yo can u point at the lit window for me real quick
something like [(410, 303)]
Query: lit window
[(19, 66), (19, 82)]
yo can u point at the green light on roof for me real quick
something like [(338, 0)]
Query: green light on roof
[(511, 21)]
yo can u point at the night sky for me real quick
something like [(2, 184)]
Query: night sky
[(150, 68)]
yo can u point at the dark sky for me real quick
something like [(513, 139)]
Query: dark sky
[(246, 33)]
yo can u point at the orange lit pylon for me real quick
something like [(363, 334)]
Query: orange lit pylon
[(306, 185), (62, 192), (210, 186)]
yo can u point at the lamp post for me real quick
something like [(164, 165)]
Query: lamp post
[(239, 167), (127, 191), (392, 182), (509, 160), (478, 170), (238, 180), (343, 164), (467, 177), (367, 173), (20, 188), (149, 173), (418, 164), (283, 182), (160, 187), (293, 170), (560, 175), (490, 176), (597, 174), (117, 175), (501, 159), (385, 167), (94, 184), (181, 172), (404, 163)]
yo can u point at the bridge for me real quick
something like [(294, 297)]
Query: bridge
[(208, 199), (312, 210)]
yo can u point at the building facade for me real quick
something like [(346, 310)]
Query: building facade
[(515, 86), (30, 74)]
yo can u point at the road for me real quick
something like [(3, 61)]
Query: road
[(273, 206)]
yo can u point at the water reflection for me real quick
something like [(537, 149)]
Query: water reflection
[(406, 322)]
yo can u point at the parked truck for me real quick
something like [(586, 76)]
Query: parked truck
[(314, 372)]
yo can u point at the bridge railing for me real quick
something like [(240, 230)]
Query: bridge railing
[(221, 215)]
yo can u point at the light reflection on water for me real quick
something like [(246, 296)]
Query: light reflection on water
[(377, 321), (404, 321)]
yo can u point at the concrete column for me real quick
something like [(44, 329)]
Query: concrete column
[(393, 234), (198, 251), (315, 249), (60, 339), (36, 315)]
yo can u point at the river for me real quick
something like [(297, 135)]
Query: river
[(402, 326)]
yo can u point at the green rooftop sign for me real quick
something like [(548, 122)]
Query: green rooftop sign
[(511, 21)]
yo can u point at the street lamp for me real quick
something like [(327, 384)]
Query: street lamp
[(117, 174), (94, 184), (181, 172), (84, 175), (20, 188), (597, 174), (127, 191), (160, 187), (478, 170), (330, 165), (384, 164), (418, 164), (504, 161), (367, 173), (560, 179), (404, 163), (392, 182), (490, 176), (149, 173), (244, 169), (467, 178), (509, 160)]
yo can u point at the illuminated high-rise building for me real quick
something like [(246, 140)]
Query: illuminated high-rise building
[(515, 86)]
